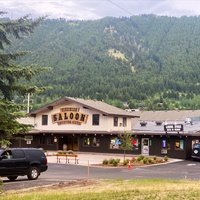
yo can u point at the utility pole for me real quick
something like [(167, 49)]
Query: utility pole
[(28, 103)]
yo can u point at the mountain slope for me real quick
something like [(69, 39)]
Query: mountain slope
[(148, 61)]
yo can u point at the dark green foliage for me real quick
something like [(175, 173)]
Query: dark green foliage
[(13, 77), (160, 71)]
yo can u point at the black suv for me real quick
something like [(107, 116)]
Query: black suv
[(16, 162), (196, 151)]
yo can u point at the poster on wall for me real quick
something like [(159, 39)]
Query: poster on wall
[(135, 143)]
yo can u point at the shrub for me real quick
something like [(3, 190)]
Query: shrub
[(139, 158), (133, 159), (150, 161), (145, 161), (114, 162), (70, 152), (1, 183), (110, 161), (165, 158), (118, 160), (155, 158), (125, 162), (105, 162)]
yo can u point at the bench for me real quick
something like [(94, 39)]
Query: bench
[(67, 157)]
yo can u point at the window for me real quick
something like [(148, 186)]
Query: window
[(49, 140), (95, 119), (115, 121), (18, 154), (86, 141), (115, 143), (95, 142), (164, 143), (135, 143), (44, 119), (179, 145), (124, 121)]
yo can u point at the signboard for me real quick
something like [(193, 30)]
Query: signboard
[(69, 115), (173, 127)]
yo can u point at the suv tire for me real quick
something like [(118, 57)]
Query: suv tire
[(33, 173)]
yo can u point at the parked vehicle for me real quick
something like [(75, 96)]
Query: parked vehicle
[(16, 162), (196, 151)]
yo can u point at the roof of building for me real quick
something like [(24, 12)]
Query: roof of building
[(167, 115), (155, 121), (151, 128), (93, 104)]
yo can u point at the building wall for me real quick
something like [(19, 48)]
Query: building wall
[(105, 122)]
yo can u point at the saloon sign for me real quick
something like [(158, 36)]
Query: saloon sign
[(69, 115)]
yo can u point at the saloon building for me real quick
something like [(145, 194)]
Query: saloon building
[(77, 124), (94, 126)]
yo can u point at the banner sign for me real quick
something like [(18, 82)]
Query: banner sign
[(173, 127)]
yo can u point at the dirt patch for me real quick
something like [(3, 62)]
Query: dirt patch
[(60, 185)]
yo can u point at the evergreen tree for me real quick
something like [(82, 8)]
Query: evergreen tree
[(13, 76)]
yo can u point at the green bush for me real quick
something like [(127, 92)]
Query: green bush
[(155, 158), (150, 161), (1, 183), (115, 162), (70, 152), (111, 160), (139, 158), (125, 162), (105, 162), (145, 160), (118, 160), (166, 159)]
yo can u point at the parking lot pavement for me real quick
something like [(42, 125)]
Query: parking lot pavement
[(92, 158)]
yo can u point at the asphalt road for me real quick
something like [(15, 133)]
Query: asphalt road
[(59, 173)]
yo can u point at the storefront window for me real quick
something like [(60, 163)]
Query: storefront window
[(164, 143), (179, 144), (86, 141), (115, 143), (135, 143), (194, 142), (95, 142), (49, 140)]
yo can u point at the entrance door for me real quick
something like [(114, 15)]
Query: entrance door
[(73, 143), (145, 146), (70, 141)]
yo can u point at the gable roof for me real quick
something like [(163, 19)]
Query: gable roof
[(92, 104)]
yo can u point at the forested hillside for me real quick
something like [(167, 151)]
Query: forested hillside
[(147, 61)]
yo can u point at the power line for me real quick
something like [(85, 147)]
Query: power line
[(117, 5)]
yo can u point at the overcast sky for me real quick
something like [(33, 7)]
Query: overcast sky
[(95, 9)]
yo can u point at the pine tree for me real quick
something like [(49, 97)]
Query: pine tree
[(11, 75)]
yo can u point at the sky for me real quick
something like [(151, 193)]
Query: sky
[(96, 9)]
